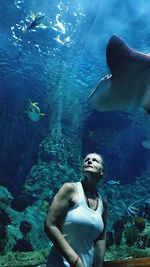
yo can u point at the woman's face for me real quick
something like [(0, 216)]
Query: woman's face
[(93, 163)]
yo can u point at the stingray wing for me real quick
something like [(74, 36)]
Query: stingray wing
[(127, 87)]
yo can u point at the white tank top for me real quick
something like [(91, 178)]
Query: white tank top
[(81, 227)]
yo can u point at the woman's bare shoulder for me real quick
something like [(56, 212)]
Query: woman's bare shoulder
[(67, 191), (68, 187), (70, 190)]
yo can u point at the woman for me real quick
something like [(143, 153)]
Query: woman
[(76, 220)]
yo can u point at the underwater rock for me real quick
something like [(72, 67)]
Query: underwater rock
[(2, 245), (22, 202), (23, 245), (65, 150), (25, 227), (118, 227), (3, 235), (118, 237), (147, 208), (3, 232), (4, 218), (147, 241), (109, 239), (47, 156)]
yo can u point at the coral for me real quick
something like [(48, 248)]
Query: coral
[(141, 241), (36, 236), (45, 205), (131, 234), (33, 258), (140, 223), (5, 196), (13, 234)]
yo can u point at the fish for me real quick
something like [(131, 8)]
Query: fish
[(146, 143), (128, 84), (33, 111), (36, 22), (113, 182), (133, 211), (137, 208)]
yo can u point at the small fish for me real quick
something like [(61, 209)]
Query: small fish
[(113, 182), (33, 111), (133, 211), (36, 22), (135, 208)]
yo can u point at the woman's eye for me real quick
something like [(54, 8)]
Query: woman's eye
[(95, 160)]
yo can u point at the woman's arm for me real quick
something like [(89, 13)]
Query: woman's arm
[(100, 242), (62, 201)]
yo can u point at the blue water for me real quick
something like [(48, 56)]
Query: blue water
[(66, 60), (58, 66)]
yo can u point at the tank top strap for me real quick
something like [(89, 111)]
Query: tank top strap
[(80, 192), (81, 197), (101, 206)]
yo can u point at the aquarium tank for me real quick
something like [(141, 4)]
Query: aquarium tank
[(53, 55)]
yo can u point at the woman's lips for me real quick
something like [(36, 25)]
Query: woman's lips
[(88, 166)]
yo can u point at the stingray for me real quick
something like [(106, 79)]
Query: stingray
[(128, 85)]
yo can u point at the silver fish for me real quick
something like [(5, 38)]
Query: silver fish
[(113, 182)]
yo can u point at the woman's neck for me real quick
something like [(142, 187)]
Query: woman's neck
[(89, 188)]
